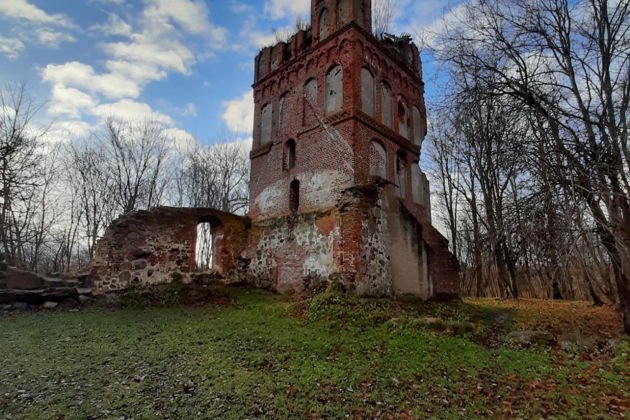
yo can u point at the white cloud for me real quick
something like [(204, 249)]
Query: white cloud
[(150, 44), (191, 110), (238, 7), (427, 20), (64, 131), (11, 47), (130, 110), (162, 53), (22, 9), (83, 76), (115, 26), (52, 38), (192, 16), (239, 113), (280, 9), (137, 71), (183, 141), (70, 102)]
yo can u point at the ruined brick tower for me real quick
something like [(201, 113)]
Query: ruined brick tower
[(336, 188)]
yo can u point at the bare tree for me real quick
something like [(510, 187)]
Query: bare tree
[(216, 176), (92, 190), (135, 154), (568, 64), (382, 17), (20, 174)]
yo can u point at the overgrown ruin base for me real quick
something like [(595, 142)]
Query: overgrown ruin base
[(370, 242)]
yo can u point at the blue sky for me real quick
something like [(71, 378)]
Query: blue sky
[(185, 63)]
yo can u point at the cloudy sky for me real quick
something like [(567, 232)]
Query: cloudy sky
[(185, 63)]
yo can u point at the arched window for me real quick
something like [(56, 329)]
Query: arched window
[(289, 155), (367, 92), (281, 112), (378, 160), (294, 196), (323, 25), (417, 187), (360, 12), (334, 90), (418, 127), (262, 66), (310, 91), (386, 104), (403, 117), (265, 124), (310, 102), (401, 175), (343, 9), (203, 248)]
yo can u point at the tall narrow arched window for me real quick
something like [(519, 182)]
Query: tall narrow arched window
[(281, 112), (360, 13), (262, 66), (367, 92), (203, 248), (418, 127), (310, 91), (294, 196), (401, 175), (343, 9), (323, 25), (289, 155), (386, 104), (265, 124), (334, 90), (403, 117), (417, 187), (378, 160), (310, 102)]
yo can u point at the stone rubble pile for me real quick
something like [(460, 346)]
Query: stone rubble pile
[(22, 290)]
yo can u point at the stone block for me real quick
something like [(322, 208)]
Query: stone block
[(50, 305), (23, 280), (139, 264), (69, 304)]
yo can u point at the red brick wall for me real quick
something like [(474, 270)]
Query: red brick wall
[(333, 153), (147, 247)]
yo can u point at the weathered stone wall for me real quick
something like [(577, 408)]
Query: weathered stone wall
[(370, 240), (292, 254), (157, 246)]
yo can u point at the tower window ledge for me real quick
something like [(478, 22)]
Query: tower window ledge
[(259, 151)]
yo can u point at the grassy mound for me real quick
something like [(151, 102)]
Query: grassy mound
[(334, 358)]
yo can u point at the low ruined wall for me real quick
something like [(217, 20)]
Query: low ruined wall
[(157, 246), (369, 240), (293, 253)]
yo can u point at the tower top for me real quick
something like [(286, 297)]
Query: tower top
[(327, 16)]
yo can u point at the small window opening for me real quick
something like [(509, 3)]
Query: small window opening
[(289, 157), (403, 118), (203, 250), (401, 175), (323, 25), (294, 196)]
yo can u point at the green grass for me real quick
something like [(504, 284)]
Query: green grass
[(262, 358)]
